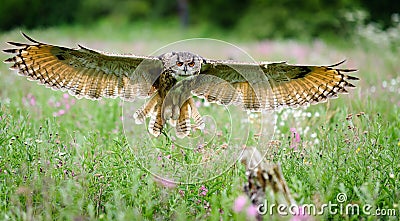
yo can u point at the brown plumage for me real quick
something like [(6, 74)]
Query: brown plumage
[(263, 177), (253, 86)]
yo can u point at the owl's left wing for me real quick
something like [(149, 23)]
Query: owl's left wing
[(270, 86)]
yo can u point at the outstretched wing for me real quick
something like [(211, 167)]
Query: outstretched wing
[(270, 86), (84, 72)]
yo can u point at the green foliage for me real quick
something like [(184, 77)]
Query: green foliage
[(294, 19), (37, 13), (381, 12), (220, 13), (254, 19)]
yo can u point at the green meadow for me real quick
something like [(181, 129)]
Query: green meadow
[(67, 159)]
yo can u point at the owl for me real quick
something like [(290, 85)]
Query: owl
[(171, 80), (263, 176)]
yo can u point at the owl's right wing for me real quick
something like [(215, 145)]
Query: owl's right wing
[(84, 72)]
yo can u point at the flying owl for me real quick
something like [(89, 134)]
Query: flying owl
[(170, 80)]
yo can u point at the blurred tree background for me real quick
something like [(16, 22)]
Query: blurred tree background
[(256, 19)]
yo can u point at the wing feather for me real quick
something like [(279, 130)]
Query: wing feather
[(271, 86), (84, 72)]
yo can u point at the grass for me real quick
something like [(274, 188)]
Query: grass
[(59, 163)]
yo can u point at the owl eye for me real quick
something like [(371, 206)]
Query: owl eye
[(191, 64), (179, 63)]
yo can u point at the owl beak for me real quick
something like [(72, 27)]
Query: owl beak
[(185, 68)]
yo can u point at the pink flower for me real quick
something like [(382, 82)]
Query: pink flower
[(59, 113), (252, 211), (239, 203), (30, 99), (295, 138), (65, 95), (203, 191)]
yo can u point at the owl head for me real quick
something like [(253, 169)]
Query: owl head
[(182, 63)]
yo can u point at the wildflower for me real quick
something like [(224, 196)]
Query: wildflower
[(59, 113), (252, 211), (181, 192), (239, 203), (224, 146), (30, 99), (295, 138), (309, 163), (203, 191)]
